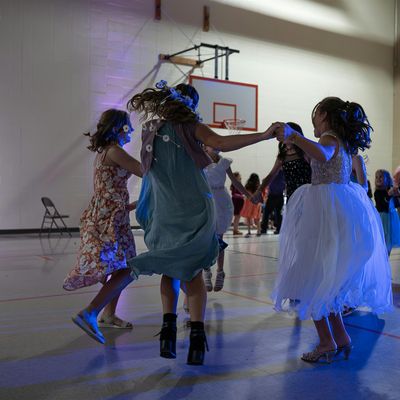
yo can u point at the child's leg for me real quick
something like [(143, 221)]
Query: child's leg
[(197, 297), (340, 334), (109, 319), (236, 220), (110, 290), (326, 341), (87, 318), (248, 220), (169, 289), (219, 280), (221, 256), (258, 224)]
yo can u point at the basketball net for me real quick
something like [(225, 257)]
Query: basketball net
[(234, 125)]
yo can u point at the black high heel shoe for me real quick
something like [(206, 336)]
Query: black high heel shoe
[(198, 344), (168, 337)]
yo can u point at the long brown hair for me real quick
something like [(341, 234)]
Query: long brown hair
[(165, 104), (282, 150), (110, 124)]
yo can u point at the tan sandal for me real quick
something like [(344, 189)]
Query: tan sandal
[(112, 321), (315, 355)]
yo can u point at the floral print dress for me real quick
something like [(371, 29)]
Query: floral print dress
[(106, 237)]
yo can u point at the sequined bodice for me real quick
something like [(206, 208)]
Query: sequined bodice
[(336, 170)]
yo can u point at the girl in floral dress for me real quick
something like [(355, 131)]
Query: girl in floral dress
[(106, 236)]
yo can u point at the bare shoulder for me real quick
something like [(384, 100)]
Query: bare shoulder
[(114, 154), (357, 158)]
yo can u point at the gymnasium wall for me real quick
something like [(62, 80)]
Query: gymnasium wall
[(64, 61)]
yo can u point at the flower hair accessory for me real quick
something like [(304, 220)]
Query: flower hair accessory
[(176, 94), (125, 128), (161, 84)]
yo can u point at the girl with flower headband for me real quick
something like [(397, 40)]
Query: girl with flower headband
[(106, 237), (332, 250), (176, 207)]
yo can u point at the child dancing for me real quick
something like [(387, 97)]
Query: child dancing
[(332, 247), (176, 207), (106, 237)]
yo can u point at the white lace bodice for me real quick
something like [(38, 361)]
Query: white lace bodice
[(336, 170)]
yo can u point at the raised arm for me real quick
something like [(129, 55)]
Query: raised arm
[(358, 167), (321, 151), (123, 159), (236, 183), (232, 142)]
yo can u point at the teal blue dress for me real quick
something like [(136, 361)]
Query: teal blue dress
[(175, 208)]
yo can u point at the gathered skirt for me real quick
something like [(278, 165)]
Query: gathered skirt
[(332, 253)]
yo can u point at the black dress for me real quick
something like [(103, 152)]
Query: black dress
[(297, 173)]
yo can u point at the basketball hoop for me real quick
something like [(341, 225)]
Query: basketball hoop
[(234, 125)]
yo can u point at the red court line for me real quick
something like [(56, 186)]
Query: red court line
[(95, 291), (373, 331), (69, 294), (347, 324)]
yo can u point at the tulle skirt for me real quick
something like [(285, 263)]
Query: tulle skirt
[(332, 253)]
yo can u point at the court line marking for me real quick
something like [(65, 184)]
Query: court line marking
[(391, 335), (128, 288)]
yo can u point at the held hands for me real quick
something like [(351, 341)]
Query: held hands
[(272, 130), (285, 133), (132, 206), (257, 197)]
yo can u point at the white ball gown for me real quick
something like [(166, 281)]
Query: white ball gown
[(332, 246)]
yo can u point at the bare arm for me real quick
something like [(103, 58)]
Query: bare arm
[(236, 183), (321, 151), (358, 167), (233, 142), (120, 157), (257, 196), (132, 206), (271, 176)]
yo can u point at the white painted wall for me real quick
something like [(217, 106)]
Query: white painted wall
[(64, 61)]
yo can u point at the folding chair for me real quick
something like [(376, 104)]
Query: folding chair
[(51, 214)]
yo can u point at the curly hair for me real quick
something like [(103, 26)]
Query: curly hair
[(282, 149), (108, 127), (253, 183), (162, 103), (348, 120)]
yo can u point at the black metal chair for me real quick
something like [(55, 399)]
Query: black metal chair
[(53, 217)]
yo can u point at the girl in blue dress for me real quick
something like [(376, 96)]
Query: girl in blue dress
[(175, 206)]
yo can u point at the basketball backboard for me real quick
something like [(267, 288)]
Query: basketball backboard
[(222, 99)]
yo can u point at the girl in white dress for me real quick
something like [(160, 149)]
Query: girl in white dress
[(216, 176), (332, 247)]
